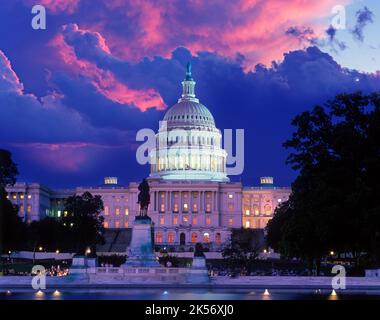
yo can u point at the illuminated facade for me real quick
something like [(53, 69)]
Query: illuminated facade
[(192, 199), (188, 144)]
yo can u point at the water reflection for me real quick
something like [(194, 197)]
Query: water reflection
[(186, 294)]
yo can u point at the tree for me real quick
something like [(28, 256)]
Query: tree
[(244, 248), (83, 223), (48, 233), (333, 205), (12, 229)]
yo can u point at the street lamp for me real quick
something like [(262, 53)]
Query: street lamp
[(40, 248), (57, 251)]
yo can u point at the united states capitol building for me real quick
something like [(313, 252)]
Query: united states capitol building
[(192, 198)]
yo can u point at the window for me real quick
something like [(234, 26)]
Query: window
[(22, 196), (162, 195), (106, 225), (170, 237), (194, 237), (206, 237), (185, 219), (126, 224), (126, 211), (162, 220), (256, 210), (117, 224), (162, 207), (195, 207), (230, 196), (59, 213), (208, 207), (268, 210), (208, 220), (14, 196), (175, 220), (230, 221), (175, 207), (194, 221), (29, 196), (29, 208), (159, 237), (22, 208), (218, 238), (247, 212), (185, 207), (117, 211), (247, 224), (106, 211)]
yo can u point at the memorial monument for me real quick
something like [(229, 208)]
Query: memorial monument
[(140, 252)]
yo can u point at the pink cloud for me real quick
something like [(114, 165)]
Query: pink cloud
[(9, 81), (56, 6), (103, 80), (254, 28), (63, 157)]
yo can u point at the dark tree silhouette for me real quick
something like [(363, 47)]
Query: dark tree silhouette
[(83, 222), (334, 202), (12, 229)]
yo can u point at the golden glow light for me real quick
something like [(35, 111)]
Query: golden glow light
[(266, 292), (40, 248), (39, 293)]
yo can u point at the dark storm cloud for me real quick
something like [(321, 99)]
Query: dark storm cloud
[(262, 101), (363, 18)]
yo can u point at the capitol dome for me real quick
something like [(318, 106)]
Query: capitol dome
[(189, 113), (188, 144)]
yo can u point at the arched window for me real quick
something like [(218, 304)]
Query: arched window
[(159, 237), (170, 237), (268, 209), (206, 237), (194, 237), (218, 238), (182, 239)]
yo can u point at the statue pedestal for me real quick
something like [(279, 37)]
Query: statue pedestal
[(198, 273), (140, 253)]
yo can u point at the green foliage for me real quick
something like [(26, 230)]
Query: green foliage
[(244, 248), (50, 234), (83, 222), (333, 205), (12, 229), (165, 259), (8, 169)]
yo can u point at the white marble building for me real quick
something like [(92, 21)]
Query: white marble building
[(192, 199)]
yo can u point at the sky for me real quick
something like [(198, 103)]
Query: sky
[(73, 96)]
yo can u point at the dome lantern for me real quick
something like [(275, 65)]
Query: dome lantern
[(188, 85)]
